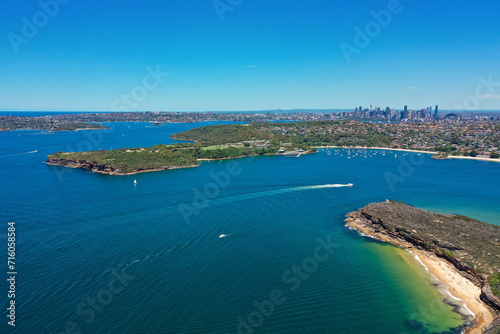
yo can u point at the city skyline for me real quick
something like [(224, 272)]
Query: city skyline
[(66, 56)]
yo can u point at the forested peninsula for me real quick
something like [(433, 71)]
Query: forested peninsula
[(11, 123), (242, 140)]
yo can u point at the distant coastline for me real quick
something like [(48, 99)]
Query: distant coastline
[(11, 123)]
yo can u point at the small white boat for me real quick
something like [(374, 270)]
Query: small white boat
[(135, 182), (222, 236)]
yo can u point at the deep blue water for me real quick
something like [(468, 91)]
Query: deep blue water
[(77, 230)]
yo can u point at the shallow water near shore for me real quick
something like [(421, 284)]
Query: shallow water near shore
[(77, 230), (432, 315)]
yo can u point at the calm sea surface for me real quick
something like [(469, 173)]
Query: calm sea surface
[(98, 254)]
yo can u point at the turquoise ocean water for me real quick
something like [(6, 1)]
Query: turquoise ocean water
[(98, 254)]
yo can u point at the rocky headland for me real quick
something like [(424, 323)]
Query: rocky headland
[(461, 252)]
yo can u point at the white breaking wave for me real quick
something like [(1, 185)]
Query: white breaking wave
[(444, 287)]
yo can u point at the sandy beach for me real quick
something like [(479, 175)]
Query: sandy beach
[(458, 286), (473, 158), (416, 151)]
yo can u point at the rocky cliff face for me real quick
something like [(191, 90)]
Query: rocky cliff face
[(84, 164), (61, 160), (494, 327)]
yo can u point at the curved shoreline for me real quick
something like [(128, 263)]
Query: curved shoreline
[(108, 170), (458, 286), (410, 150)]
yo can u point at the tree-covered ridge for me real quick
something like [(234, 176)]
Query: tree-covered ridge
[(223, 134), (303, 134), (159, 157), (9, 123), (467, 140), (128, 160)]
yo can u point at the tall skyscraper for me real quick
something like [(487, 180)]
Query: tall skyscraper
[(436, 112), (405, 113)]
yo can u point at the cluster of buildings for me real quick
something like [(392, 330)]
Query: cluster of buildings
[(388, 113), (461, 139), (428, 114)]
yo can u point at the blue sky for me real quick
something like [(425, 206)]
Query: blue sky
[(251, 55)]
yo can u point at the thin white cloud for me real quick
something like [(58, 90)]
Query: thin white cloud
[(414, 88), (489, 96), (252, 66)]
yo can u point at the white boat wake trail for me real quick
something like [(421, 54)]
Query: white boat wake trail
[(274, 192), (154, 215), (18, 153)]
